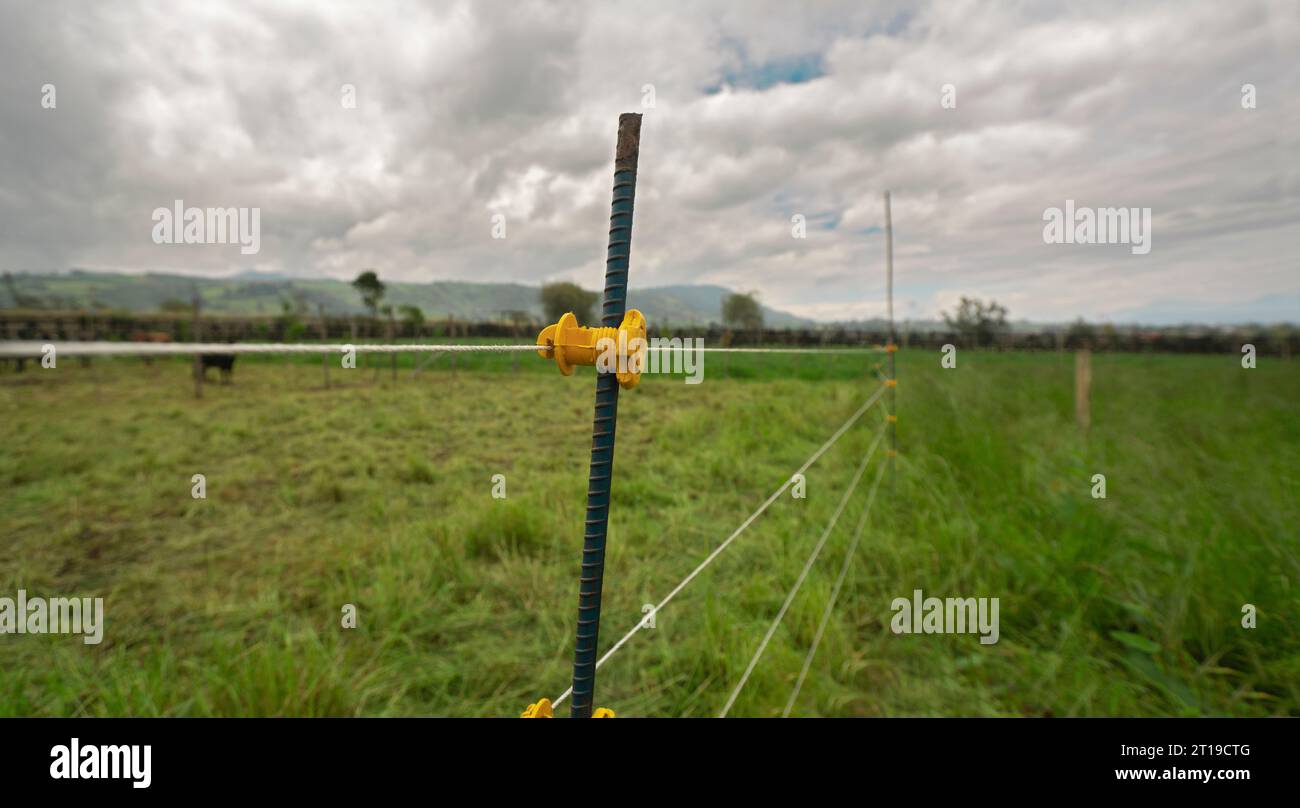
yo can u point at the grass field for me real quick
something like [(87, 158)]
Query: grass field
[(378, 493)]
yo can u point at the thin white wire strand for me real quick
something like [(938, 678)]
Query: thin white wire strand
[(803, 574), (718, 551), (835, 592), (674, 348), (35, 349)]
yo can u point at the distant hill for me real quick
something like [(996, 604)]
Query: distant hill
[(263, 293)]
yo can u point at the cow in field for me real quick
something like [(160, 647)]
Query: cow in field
[(225, 363), (150, 336)]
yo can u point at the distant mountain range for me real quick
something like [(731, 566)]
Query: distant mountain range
[(257, 293), (263, 293)]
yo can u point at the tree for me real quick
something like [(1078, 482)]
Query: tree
[(742, 311), (976, 321), (562, 297), (412, 315), (517, 317), (21, 301), (292, 327), (176, 306), (1081, 334), (371, 289)]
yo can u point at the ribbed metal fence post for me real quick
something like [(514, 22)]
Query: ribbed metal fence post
[(602, 439)]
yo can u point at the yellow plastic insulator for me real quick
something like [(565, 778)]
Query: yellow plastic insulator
[(891, 382), (891, 453), (543, 709), (891, 348), (891, 419), (624, 348)]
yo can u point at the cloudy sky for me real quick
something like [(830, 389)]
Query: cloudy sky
[(761, 111)]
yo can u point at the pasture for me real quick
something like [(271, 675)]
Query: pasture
[(377, 492)]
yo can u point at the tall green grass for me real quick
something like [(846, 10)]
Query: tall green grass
[(378, 493)]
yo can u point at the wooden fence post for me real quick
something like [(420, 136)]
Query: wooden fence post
[(392, 333), (325, 337), (198, 358), (1083, 388)]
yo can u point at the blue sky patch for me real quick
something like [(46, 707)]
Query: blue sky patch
[(748, 75)]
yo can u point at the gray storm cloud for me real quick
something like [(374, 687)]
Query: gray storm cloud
[(762, 111)]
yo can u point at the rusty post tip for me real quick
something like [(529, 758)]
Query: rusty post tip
[(629, 141)]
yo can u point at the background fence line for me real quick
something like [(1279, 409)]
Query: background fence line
[(50, 325)]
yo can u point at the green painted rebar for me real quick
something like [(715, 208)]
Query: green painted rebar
[(602, 441)]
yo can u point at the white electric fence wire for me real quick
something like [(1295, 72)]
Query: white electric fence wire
[(803, 574), (718, 551), (674, 348), (35, 349), (835, 592)]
